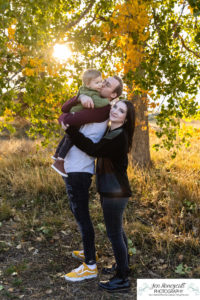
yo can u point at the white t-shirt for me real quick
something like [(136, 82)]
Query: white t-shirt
[(77, 160)]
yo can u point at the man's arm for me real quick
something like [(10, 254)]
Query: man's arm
[(85, 100), (86, 116), (69, 104)]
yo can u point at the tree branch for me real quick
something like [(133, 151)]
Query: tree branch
[(15, 74), (175, 25), (84, 13), (155, 22), (88, 25), (101, 52), (197, 54), (176, 35)]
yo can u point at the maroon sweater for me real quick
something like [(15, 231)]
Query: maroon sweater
[(87, 115)]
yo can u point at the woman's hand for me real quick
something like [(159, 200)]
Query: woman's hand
[(64, 126)]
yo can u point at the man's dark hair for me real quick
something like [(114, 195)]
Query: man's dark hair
[(118, 90)]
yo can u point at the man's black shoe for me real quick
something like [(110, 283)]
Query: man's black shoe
[(116, 284)]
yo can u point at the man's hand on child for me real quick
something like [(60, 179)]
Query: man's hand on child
[(86, 101)]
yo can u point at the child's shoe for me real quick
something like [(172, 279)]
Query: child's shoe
[(58, 166), (55, 156)]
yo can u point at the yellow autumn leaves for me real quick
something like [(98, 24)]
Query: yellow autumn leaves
[(129, 27), (131, 22), (37, 66), (11, 32), (30, 66)]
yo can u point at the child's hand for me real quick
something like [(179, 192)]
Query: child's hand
[(86, 101), (64, 126)]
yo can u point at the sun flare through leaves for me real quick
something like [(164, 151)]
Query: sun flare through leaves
[(62, 52)]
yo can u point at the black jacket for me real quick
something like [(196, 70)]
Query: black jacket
[(112, 160)]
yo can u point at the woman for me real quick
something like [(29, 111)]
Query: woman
[(112, 182)]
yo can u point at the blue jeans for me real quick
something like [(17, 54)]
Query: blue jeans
[(113, 209), (77, 186)]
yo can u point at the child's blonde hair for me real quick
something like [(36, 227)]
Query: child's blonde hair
[(90, 74)]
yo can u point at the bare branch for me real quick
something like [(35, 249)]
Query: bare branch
[(197, 54), (87, 26), (15, 74), (84, 13), (175, 25), (156, 24), (101, 52), (9, 79), (176, 35)]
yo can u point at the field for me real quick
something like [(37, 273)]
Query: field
[(38, 232)]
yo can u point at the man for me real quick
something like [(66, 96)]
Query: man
[(80, 168)]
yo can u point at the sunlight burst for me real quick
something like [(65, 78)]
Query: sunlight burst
[(62, 52)]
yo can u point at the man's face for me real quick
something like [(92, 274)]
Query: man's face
[(108, 87)]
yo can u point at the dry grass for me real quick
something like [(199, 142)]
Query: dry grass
[(162, 216), (25, 167), (166, 200)]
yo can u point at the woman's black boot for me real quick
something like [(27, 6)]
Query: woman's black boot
[(118, 283)]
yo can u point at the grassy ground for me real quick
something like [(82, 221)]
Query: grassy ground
[(38, 232)]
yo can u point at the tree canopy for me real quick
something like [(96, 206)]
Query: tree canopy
[(153, 45)]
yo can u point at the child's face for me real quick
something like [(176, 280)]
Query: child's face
[(95, 84)]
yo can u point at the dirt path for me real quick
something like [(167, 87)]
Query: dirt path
[(34, 269)]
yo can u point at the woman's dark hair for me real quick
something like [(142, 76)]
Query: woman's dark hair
[(129, 124)]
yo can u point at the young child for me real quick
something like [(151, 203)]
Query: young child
[(92, 83)]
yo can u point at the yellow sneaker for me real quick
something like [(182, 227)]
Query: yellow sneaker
[(80, 255), (81, 273)]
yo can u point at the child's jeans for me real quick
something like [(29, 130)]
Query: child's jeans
[(64, 146)]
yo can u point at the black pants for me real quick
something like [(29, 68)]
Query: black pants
[(113, 209), (77, 185), (64, 146)]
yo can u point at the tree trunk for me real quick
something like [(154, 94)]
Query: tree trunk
[(141, 148)]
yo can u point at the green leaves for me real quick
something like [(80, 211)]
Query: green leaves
[(33, 85), (195, 5)]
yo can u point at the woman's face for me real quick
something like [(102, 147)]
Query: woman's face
[(118, 113)]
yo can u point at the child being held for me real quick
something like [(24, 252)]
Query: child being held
[(92, 84)]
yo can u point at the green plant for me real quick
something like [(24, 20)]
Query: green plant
[(189, 205), (15, 268), (46, 230), (131, 249), (17, 282), (101, 227), (182, 269), (5, 212), (3, 246)]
